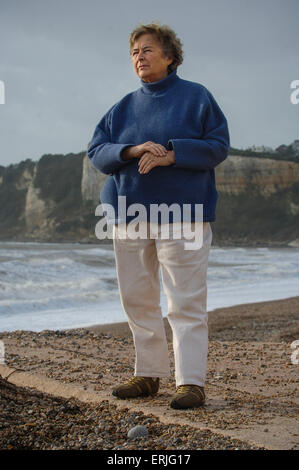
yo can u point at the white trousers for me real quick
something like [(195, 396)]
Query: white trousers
[(184, 280)]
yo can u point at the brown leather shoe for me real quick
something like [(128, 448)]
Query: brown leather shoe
[(188, 396), (137, 387)]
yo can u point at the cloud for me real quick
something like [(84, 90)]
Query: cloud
[(65, 63)]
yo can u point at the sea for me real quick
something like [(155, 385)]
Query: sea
[(53, 286)]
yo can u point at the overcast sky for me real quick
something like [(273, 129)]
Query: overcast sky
[(64, 63)]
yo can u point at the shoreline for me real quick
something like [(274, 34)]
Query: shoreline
[(226, 244), (122, 327), (230, 313), (251, 387)]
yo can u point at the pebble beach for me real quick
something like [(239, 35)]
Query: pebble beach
[(252, 387)]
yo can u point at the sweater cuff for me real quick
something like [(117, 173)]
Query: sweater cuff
[(118, 162), (172, 146)]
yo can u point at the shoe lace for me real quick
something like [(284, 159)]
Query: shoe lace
[(135, 380), (184, 388)]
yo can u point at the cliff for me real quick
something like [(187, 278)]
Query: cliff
[(54, 200), (258, 202)]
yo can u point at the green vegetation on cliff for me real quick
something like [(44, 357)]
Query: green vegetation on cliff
[(13, 190), (58, 177), (287, 154)]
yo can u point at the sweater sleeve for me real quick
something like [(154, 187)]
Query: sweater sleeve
[(105, 155), (212, 148)]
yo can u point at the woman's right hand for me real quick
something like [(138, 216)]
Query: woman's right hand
[(156, 149), (136, 151)]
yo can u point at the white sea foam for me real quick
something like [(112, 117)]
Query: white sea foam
[(52, 286), (96, 252)]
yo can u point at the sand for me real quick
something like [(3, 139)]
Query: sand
[(58, 389)]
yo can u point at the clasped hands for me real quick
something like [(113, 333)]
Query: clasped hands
[(151, 154)]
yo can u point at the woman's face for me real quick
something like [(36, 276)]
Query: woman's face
[(148, 60)]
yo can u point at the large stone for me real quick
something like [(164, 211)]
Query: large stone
[(138, 431)]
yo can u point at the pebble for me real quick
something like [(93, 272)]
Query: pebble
[(57, 423), (138, 431), (31, 421)]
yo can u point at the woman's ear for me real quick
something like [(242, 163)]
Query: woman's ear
[(171, 59)]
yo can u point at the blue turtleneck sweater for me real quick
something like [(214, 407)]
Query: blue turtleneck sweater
[(179, 114)]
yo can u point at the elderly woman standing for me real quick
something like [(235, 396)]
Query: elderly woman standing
[(160, 145)]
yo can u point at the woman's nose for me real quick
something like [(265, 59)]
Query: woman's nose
[(139, 55)]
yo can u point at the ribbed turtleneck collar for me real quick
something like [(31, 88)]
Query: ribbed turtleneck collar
[(161, 85)]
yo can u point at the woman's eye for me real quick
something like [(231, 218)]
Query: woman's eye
[(145, 50)]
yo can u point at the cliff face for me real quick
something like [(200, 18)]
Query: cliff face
[(258, 201), (55, 198), (266, 175), (48, 200), (92, 182)]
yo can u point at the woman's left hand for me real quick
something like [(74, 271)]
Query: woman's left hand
[(149, 161)]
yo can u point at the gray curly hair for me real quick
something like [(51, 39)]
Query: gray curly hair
[(170, 43)]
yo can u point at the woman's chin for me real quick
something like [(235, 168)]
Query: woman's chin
[(143, 74)]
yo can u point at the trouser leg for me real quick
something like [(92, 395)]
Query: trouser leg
[(137, 270), (184, 275)]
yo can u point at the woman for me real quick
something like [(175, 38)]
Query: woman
[(160, 145)]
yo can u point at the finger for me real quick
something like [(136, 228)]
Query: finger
[(145, 170), (164, 150), (146, 157), (156, 149), (142, 165), (147, 166), (143, 160), (160, 150)]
